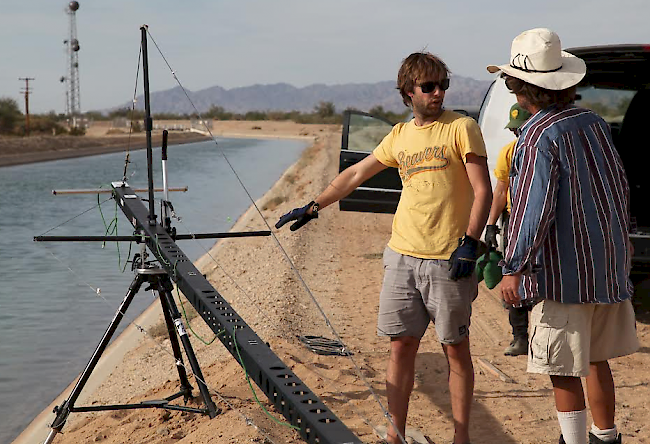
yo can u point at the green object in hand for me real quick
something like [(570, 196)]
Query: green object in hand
[(488, 269), (480, 266)]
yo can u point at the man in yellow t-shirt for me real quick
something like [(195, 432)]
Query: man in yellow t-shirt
[(518, 316), (430, 258)]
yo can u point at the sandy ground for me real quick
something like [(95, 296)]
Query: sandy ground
[(339, 258)]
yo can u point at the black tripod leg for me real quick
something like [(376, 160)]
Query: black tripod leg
[(186, 387), (167, 287), (63, 411)]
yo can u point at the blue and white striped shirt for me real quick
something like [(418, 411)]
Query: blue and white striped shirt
[(570, 221)]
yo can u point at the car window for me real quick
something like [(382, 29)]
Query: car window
[(366, 132), (610, 104)]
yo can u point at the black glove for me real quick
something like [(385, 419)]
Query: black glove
[(463, 259), (491, 232), (299, 215)]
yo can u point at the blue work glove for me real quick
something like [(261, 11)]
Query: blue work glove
[(463, 259), (299, 215), (491, 232)]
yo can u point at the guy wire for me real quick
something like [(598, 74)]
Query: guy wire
[(135, 92), (293, 267), (289, 338), (73, 218)]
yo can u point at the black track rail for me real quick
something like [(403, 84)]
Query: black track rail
[(291, 397)]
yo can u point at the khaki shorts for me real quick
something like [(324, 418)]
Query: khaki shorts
[(565, 338), (418, 291)]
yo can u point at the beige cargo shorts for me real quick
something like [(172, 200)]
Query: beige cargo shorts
[(565, 338), (418, 291)]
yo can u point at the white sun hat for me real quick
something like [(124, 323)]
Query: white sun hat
[(536, 57)]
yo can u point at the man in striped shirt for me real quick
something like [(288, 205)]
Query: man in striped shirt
[(568, 237)]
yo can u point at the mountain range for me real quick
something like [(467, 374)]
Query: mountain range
[(284, 97)]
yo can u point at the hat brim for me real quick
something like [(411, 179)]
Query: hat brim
[(573, 70)]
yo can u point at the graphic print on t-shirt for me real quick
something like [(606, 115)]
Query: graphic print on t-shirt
[(432, 158)]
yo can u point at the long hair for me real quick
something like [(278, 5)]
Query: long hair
[(538, 96), (422, 66)]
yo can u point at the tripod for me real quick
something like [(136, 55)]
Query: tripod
[(158, 280)]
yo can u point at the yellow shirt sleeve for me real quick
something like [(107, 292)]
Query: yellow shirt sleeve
[(469, 139), (502, 169), (384, 151)]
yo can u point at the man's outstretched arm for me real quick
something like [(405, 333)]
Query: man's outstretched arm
[(342, 185), (349, 179)]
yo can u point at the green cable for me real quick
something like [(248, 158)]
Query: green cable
[(108, 231), (241, 361), (187, 321), (161, 255)]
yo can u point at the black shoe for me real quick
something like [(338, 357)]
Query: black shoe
[(561, 440), (593, 439), (518, 346)]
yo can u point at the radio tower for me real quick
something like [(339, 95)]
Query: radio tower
[(73, 107)]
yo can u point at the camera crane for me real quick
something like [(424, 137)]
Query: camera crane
[(298, 404)]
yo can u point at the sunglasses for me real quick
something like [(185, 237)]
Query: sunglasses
[(507, 81), (428, 87)]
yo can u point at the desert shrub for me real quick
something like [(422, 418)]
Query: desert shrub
[(10, 115)]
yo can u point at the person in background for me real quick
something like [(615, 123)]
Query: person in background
[(568, 237), (430, 259), (517, 315)]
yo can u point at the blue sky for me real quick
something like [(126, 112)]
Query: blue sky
[(245, 42)]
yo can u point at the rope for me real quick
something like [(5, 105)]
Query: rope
[(281, 248)]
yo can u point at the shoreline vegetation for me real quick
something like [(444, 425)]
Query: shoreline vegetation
[(338, 257)]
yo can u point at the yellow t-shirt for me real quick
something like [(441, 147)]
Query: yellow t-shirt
[(433, 211), (502, 170)]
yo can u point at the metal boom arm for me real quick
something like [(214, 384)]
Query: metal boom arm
[(291, 397)]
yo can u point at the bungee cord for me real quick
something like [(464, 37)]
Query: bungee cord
[(277, 241)]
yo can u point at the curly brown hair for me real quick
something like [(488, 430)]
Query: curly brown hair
[(538, 96), (419, 65)]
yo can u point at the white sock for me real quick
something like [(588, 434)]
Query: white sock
[(573, 426), (607, 435)]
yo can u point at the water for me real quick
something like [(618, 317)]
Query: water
[(51, 317)]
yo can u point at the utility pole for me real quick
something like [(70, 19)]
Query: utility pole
[(27, 92)]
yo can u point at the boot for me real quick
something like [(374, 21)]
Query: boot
[(518, 346), (595, 440)]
